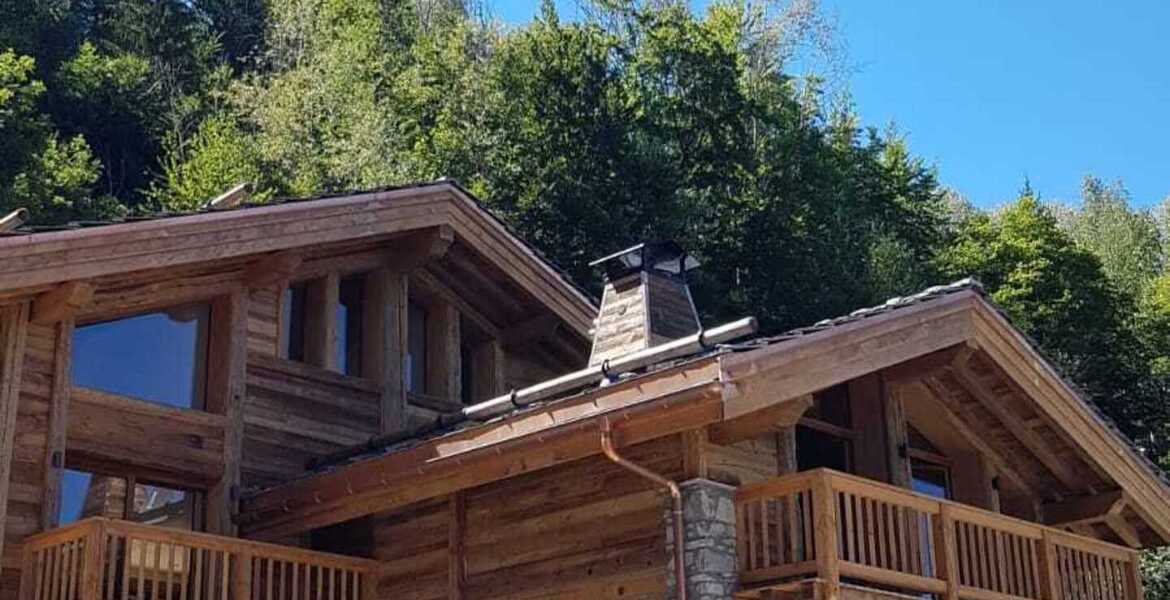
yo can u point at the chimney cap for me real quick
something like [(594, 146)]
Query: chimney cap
[(662, 256)]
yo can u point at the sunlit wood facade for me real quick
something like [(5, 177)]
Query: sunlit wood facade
[(255, 403)]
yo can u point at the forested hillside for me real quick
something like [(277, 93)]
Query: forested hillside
[(637, 120)]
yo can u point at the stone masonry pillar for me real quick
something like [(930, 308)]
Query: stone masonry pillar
[(709, 518)]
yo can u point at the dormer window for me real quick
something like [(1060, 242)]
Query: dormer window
[(348, 343), (416, 353)]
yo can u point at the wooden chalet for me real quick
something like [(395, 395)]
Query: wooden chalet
[(388, 395)]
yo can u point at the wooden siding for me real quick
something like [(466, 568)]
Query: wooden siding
[(584, 530), (296, 412), (27, 479)]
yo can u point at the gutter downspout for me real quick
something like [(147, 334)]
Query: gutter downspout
[(607, 448)]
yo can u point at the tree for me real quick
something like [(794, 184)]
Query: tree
[(1126, 241), (49, 176), (1057, 293)]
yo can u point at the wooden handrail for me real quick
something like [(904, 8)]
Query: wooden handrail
[(104, 558), (892, 537)]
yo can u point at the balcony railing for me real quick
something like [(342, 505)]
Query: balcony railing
[(103, 559), (837, 527)]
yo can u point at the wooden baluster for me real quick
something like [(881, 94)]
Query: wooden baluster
[(828, 557), (765, 525), (900, 527), (848, 544), (807, 525), (295, 584), (946, 559), (73, 549), (36, 573), (241, 576), (791, 506), (889, 538), (197, 571)]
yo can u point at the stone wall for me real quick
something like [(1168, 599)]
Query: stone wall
[(709, 541)]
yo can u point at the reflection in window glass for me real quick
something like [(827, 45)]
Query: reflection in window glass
[(416, 356), (348, 344), (292, 322), (162, 506), (75, 487), (930, 479), (159, 356)]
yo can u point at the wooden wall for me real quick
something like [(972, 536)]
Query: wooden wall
[(295, 412), (587, 530), (27, 480)]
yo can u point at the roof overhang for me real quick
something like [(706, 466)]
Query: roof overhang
[(724, 391), (34, 263)]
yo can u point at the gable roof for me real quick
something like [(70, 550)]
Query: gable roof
[(715, 388), (37, 258)]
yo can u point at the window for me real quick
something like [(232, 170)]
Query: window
[(930, 471), (85, 494), (160, 356), (293, 308), (824, 436), (348, 343), (416, 354)]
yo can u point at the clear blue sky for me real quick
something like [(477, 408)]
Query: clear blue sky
[(993, 91)]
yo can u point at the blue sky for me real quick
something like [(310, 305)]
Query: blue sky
[(996, 91)]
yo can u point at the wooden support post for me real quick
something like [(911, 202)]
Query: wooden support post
[(488, 366), (322, 298), (226, 390), (694, 451), (94, 561), (868, 413), (456, 551), (1049, 578), (1133, 578), (241, 584), (825, 530), (443, 354), (58, 421), (896, 439), (786, 451), (13, 330), (386, 324), (946, 557)]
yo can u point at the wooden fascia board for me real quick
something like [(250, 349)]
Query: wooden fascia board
[(1096, 439), (788, 370), (34, 261), (659, 404)]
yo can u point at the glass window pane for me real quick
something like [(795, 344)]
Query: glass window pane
[(930, 479), (159, 356), (163, 506), (348, 345), (292, 322), (416, 356)]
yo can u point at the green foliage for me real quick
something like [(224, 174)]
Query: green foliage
[(51, 178), (1058, 293), (1126, 241)]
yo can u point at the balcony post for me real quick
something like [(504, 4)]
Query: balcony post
[(946, 558), (241, 585), (95, 554), (1133, 577), (825, 531), (1049, 579)]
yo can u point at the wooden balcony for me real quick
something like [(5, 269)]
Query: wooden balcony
[(104, 559), (839, 529)]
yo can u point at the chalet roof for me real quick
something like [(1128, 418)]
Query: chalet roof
[(928, 295), (33, 229)]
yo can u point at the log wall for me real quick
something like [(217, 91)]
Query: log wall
[(295, 412), (586, 530), (27, 479)]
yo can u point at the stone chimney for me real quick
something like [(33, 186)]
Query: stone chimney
[(646, 300)]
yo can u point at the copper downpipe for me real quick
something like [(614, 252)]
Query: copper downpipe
[(607, 448)]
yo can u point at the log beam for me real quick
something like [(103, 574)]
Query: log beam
[(61, 302), (13, 331), (1084, 509), (274, 268)]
